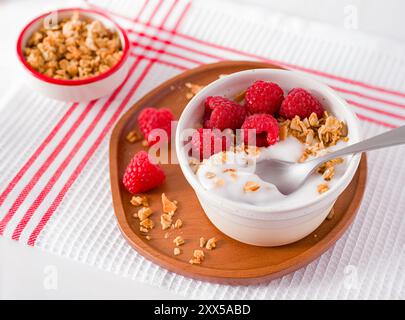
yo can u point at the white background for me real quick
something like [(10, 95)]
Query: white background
[(23, 270)]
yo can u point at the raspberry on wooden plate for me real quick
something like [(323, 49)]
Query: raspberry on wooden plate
[(141, 174), (150, 119)]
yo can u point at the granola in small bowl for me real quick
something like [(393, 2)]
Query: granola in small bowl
[(74, 48), (74, 54)]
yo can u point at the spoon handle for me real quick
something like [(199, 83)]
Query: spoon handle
[(387, 139)]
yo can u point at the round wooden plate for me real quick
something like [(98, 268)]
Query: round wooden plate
[(231, 262)]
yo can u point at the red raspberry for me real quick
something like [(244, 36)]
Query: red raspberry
[(300, 102), (152, 118), (222, 113), (265, 128), (141, 174), (206, 142), (263, 97)]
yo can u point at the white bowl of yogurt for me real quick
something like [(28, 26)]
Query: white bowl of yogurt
[(266, 218)]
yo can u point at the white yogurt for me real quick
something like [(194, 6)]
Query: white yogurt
[(230, 184)]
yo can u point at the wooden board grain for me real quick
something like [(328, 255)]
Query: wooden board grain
[(231, 262)]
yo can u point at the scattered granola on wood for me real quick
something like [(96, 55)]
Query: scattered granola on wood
[(193, 89), (198, 257), (178, 241), (133, 136), (211, 244), (176, 251)]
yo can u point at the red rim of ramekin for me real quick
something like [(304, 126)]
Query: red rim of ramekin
[(73, 82)]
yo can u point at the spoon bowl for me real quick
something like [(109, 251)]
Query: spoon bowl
[(286, 176)]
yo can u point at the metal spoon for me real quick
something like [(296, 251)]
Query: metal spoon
[(289, 176)]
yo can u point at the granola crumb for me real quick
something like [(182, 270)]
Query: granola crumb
[(283, 134), (194, 164), (193, 89), (295, 124), (145, 143), (327, 169), (210, 175), (140, 200), (251, 186), (144, 213), (167, 234), (329, 174), (178, 241), (240, 96), (178, 224), (165, 221), (322, 188), (313, 120), (344, 130), (147, 224), (133, 136), (252, 150), (142, 229), (176, 251), (198, 257), (148, 237), (199, 254), (211, 244), (309, 139), (202, 242), (193, 161), (303, 158), (219, 182), (168, 206), (135, 215)]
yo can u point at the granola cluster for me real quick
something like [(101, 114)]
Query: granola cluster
[(146, 224), (143, 213), (317, 135), (133, 136), (75, 48), (198, 257), (193, 89)]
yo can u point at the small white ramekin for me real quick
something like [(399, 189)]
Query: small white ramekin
[(275, 224), (75, 90)]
